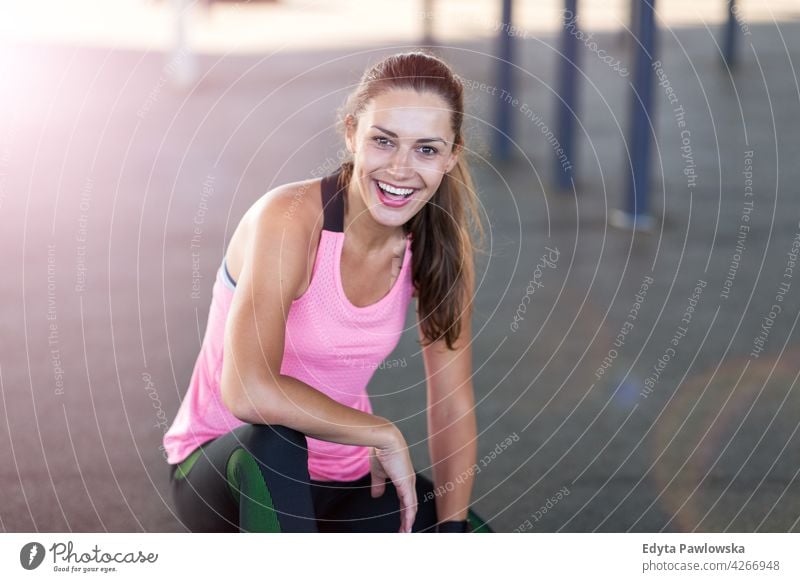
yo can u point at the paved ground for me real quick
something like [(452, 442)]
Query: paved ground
[(692, 425)]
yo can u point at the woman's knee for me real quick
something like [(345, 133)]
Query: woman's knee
[(279, 447), (268, 477), (272, 435)]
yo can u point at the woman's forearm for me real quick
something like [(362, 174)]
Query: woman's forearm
[(295, 404), (453, 449)]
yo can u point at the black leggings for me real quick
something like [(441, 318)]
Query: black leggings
[(255, 478)]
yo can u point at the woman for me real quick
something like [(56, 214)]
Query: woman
[(276, 432)]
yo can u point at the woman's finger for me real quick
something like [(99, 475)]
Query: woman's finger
[(378, 484), (408, 506)]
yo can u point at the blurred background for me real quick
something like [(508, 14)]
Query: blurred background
[(637, 165)]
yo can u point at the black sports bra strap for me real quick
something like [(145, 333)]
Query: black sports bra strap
[(332, 202)]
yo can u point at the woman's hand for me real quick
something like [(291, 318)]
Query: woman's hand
[(393, 462)]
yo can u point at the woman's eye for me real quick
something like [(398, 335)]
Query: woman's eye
[(426, 150)]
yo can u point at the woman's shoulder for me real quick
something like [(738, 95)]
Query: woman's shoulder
[(287, 202), (294, 208)]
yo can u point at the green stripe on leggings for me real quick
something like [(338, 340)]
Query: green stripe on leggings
[(186, 465), (476, 524), (256, 511)]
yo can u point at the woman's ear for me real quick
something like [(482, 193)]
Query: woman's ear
[(454, 155), (350, 132)]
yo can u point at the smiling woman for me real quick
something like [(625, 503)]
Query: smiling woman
[(276, 432), (403, 125)]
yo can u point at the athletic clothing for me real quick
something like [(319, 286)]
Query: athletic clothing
[(331, 345), (255, 479), (227, 475)]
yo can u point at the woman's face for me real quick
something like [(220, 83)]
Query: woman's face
[(402, 147)]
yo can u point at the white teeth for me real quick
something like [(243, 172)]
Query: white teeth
[(395, 191)]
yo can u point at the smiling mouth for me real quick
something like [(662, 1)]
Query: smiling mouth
[(394, 191)]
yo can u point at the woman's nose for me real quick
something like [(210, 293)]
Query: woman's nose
[(400, 166)]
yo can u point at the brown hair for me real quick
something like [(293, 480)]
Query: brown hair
[(442, 244)]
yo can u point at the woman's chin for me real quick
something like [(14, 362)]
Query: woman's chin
[(388, 219)]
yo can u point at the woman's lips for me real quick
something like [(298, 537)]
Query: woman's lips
[(391, 202)]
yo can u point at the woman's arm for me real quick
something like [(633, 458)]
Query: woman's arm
[(452, 433), (252, 386)]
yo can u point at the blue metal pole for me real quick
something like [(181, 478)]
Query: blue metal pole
[(636, 212), (567, 94), (729, 48), (504, 83)]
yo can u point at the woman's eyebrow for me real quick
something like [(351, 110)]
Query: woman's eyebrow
[(420, 140)]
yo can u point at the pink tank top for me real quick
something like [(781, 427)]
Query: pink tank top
[(330, 344)]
